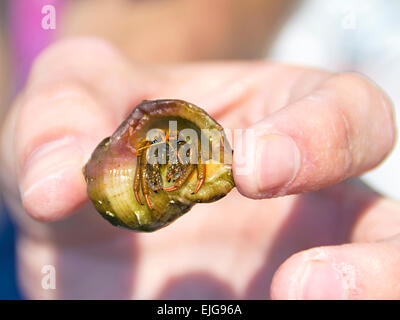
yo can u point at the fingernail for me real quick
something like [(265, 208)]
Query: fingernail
[(279, 162), (46, 161), (321, 282)]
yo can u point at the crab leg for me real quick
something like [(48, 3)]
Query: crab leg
[(201, 171), (138, 172), (221, 145), (136, 182), (182, 179), (145, 186), (201, 175)]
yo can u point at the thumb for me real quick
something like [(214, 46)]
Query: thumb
[(351, 271)]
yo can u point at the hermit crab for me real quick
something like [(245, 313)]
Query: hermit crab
[(166, 156)]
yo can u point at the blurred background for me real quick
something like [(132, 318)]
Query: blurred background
[(339, 35)]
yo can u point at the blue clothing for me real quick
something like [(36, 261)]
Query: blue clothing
[(8, 269)]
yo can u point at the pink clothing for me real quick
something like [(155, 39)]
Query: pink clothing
[(27, 36)]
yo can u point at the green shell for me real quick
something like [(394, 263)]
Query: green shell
[(111, 169)]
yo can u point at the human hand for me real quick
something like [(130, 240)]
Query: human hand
[(339, 240)]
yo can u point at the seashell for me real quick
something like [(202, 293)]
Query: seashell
[(166, 156)]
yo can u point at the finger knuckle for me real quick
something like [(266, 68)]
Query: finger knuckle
[(62, 57)]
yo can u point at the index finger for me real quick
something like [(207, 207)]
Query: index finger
[(70, 103)]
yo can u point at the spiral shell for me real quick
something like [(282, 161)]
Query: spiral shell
[(113, 170)]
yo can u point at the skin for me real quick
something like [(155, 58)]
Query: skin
[(330, 237), (175, 30)]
